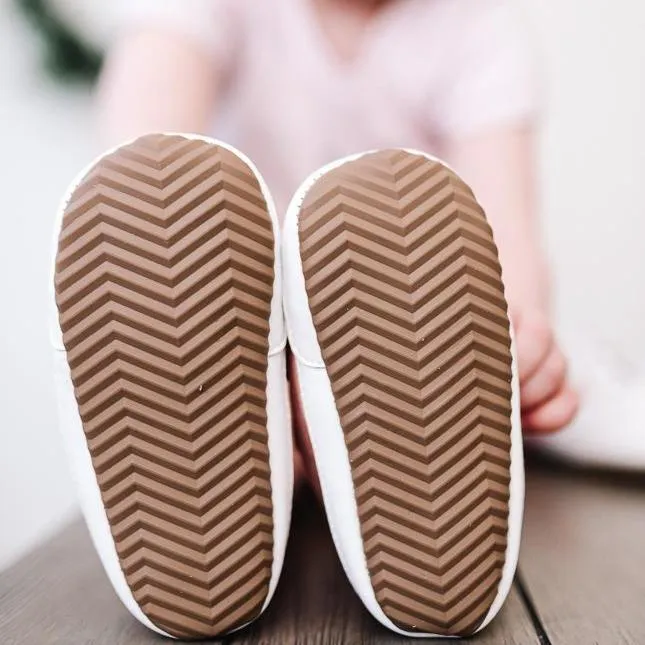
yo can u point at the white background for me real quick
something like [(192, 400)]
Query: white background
[(593, 160)]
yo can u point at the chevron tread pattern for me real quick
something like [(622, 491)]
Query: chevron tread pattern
[(164, 279), (405, 290)]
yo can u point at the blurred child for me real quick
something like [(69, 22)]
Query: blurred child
[(295, 84)]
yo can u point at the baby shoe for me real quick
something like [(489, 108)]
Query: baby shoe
[(169, 350), (397, 319)]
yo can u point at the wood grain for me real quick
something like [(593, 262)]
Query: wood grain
[(59, 595), (583, 556)]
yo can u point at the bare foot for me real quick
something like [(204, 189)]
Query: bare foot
[(549, 402)]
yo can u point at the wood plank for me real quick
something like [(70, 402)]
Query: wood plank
[(60, 595), (583, 555)]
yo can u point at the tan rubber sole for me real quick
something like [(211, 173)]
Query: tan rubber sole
[(164, 279), (405, 289)]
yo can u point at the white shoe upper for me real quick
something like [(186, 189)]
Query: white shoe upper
[(278, 420)]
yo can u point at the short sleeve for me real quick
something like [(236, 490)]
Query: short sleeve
[(213, 25), (491, 75)]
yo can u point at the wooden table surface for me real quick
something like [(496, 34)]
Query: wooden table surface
[(581, 580)]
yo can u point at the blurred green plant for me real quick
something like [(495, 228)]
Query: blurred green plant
[(66, 56)]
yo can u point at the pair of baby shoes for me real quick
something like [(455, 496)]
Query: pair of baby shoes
[(176, 292)]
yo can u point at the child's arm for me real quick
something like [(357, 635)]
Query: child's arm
[(155, 81), (499, 165)]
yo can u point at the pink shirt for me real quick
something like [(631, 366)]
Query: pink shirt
[(428, 70)]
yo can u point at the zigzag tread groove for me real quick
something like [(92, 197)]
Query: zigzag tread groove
[(197, 557), (418, 531)]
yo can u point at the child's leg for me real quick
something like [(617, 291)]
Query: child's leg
[(303, 459)]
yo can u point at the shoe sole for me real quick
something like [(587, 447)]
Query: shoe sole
[(405, 290), (164, 279)]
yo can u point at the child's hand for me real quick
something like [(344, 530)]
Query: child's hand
[(549, 402)]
